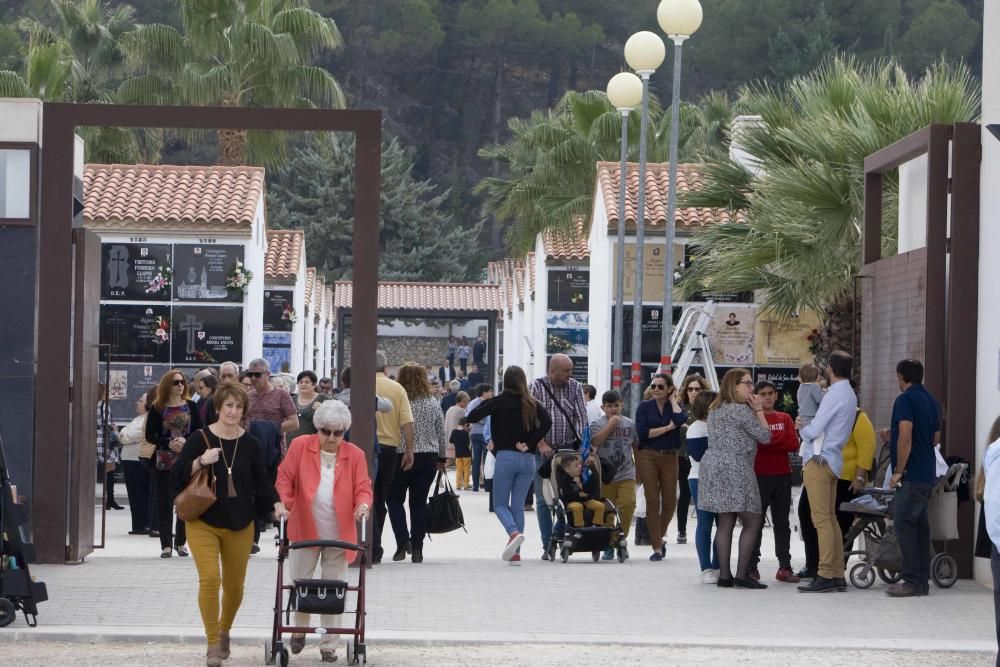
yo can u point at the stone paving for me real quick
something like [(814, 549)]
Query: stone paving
[(464, 593)]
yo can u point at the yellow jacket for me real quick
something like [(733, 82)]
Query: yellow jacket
[(860, 447)]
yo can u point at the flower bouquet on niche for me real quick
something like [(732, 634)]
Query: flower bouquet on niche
[(162, 334), (238, 279), (161, 282)]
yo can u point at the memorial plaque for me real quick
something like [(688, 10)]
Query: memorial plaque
[(567, 333), (135, 271), (691, 256), (278, 351), (207, 335), (787, 382), (136, 333), (278, 310), (569, 290), (127, 383), (731, 335), (200, 272), (652, 332)]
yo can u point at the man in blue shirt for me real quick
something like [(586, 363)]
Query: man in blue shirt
[(916, 429), (823, 442)]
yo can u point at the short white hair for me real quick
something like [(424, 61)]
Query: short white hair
[(455, 385), (332, 414), (229, 364)]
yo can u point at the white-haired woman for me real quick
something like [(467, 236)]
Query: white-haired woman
[(324, 483)]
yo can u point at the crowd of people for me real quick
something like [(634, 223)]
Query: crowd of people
[(285, 451)]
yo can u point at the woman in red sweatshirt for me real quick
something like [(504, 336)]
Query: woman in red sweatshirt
[(774, 478)]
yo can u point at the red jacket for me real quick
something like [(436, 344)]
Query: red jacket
[(772, 458), (298, 479)]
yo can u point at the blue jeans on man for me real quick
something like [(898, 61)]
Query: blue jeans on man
[(913, 532), (542, 509), (478, 453), (512, 476)]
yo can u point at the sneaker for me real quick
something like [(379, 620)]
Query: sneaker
[(709, 576), (786, 575), (682, 538), (609, 554), (167, 552), (297, 644), (656, 557), (182, 551), (513, 544), (545, 555), (515, 560), (255, 549), (820, 585)]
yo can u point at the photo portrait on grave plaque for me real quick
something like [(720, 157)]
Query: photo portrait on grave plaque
[(207, 335), (135, 271), (200, 272), (136, 333)]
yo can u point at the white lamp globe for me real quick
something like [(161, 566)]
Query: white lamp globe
[(679, 17), (644, 51), (625, 91)]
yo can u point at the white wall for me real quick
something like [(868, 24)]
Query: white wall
[(254, 258), (469, 329), (22, 120), (540, 304), (988, 373), (602, 250), (299, 304)]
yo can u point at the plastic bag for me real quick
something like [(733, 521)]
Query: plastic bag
[(640, 502), (941, 466), (489, 465)]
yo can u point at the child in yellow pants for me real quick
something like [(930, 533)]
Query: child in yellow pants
[(461, 440)]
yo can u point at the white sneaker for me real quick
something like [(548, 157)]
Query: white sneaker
[(709, 576), (512, 546)]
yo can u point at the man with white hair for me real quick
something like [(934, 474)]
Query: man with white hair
[(229, 372), (451, 396), (396, 438)]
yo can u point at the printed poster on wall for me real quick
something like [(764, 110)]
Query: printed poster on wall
[(207, 335), (128, 383), (278, 310), (567, 333), (200, 272), (730, 335), (135, 333), (135, 271), (784, 342), (278, 351), (569, 290)]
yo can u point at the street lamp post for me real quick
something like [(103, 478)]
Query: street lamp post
[(679, 19), (644, 52), (625, 93)]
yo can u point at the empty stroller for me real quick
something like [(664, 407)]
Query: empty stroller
[(593, 538)]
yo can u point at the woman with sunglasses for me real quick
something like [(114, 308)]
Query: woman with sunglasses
[(658, 423), (172, 417), (727, 484), (323, 482)]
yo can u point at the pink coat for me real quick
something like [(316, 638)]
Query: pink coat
[(298, 479)]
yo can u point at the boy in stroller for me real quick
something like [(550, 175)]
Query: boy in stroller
[(573, 493)]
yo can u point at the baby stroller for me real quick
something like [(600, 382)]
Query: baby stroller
[(317, 596), (880, 552), (594, 539)]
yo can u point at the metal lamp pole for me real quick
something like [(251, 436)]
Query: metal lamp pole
[(624, 92)]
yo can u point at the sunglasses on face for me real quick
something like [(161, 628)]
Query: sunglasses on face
[(254, 374), (179, 383), (658, 386), (327, 432), (695, 389)]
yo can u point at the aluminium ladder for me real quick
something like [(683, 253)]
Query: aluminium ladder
[(690, 343)]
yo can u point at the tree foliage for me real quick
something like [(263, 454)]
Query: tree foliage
[(417, 239), (803, 203)]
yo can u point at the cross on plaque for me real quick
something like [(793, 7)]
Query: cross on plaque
[(559, 282), (192, 326), (118, 256)]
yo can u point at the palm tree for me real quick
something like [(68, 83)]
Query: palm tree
[(80, 59), (802, 206), (237, 53), (551, 158)]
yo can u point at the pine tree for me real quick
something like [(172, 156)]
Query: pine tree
[(418, 240)]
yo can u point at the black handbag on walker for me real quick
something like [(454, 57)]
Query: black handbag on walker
[(319, 596)]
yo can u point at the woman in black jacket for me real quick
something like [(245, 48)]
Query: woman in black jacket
[(518, 422), (171, 418)]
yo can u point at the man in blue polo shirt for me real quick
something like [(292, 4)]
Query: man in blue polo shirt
[(916, 429)]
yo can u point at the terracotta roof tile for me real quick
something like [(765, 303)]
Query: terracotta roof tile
[(171, 197), (319, 296), (530, 267), (310, 283), (494, 272), (426, 296), (285, 248), (657, 185), (328, 300), (564, 245)]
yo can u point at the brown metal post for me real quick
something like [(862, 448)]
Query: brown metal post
[(871, 242), (937, 233)]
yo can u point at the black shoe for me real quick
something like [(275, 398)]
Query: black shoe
[(255, 549), (401, 552), (141, 531), (154, 533), (806, 573), (820, 585), (740, 582), (545, 555), (841, 584), (417, 557), (112, 505), (722, 582)]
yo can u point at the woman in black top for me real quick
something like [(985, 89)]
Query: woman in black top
[(518, 422), (172, 417), (225, 531)]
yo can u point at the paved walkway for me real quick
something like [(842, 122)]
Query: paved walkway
[(464, 593)]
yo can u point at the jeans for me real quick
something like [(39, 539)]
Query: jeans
[(137, 486), (821, 483), (542, 510), (415, 483), (703, 542), (776, 493), (478, 455), (389, 460), (512, 476), (913, 531), (995, 567)]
